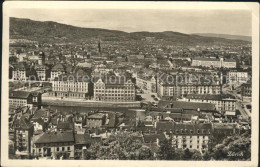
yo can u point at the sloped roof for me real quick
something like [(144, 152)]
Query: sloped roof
[(19, 94), (65, 125), (82, 139), (55, 137), (96, 116), (210, 97), (186, 105), (192, 128), (58, 67)]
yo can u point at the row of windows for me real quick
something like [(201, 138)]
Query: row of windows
[(58, 149), (191, 131)]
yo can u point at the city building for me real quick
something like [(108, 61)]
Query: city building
[(192, 136), (24, 98), (19, 72), (117, 89), (221, 101), (213, 62), (41, 70), (95, 120), (23, 133), (57, 70), (247, 89), (180, 106), (168, 86), (50, 143), (146, 82), (69, 86), (237, 77)]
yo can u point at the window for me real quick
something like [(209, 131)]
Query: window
[(68, 148), (63, 148), (58, 149)]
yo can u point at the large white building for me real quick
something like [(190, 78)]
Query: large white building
[(192, 136), (57, 70), (211, 62), (19, 72), (114, 89), (64, 86)]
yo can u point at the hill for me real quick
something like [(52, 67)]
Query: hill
[(226, 36), (49, 31)]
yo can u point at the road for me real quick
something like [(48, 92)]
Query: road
[(244, 114), (239, 105)]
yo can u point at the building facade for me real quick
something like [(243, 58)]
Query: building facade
[(50, 143), (64, 86), (57, 70), (237, 77), (222, 102), (116, 90), (19, 72), (211, 62), (192, 136), (22, 136), (146, 83)]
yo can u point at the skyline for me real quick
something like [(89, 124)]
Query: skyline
[(236, 22)]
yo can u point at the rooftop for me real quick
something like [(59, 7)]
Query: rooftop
[(55, 137)]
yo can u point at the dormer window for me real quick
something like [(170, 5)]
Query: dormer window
[(198, 131)]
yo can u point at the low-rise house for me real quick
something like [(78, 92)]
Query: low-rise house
[(192, 136), (50, 143), (95, 120)]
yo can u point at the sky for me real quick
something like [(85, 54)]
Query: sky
[(233, 22)]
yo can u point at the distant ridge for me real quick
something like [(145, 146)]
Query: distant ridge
[(49, 31), (226, 36)]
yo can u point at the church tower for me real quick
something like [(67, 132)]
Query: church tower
[(41, 60), (99, 48)]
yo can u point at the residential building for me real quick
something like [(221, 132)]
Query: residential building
[(146, 82), (237, 77), (23, 98), (222, 102), (192, 136), (50, 143), (19, 72), (169, 86), (69, 87), (115, 89), (213, 62), (23, 132), (57, 70), (95, 120), (247, 89), (42, 72)]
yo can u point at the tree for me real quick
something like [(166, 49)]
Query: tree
[(187, 154), (196, 155), (166, 151), (122, 146), (145, 153)]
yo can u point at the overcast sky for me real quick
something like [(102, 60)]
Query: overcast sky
[(234, 22)]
